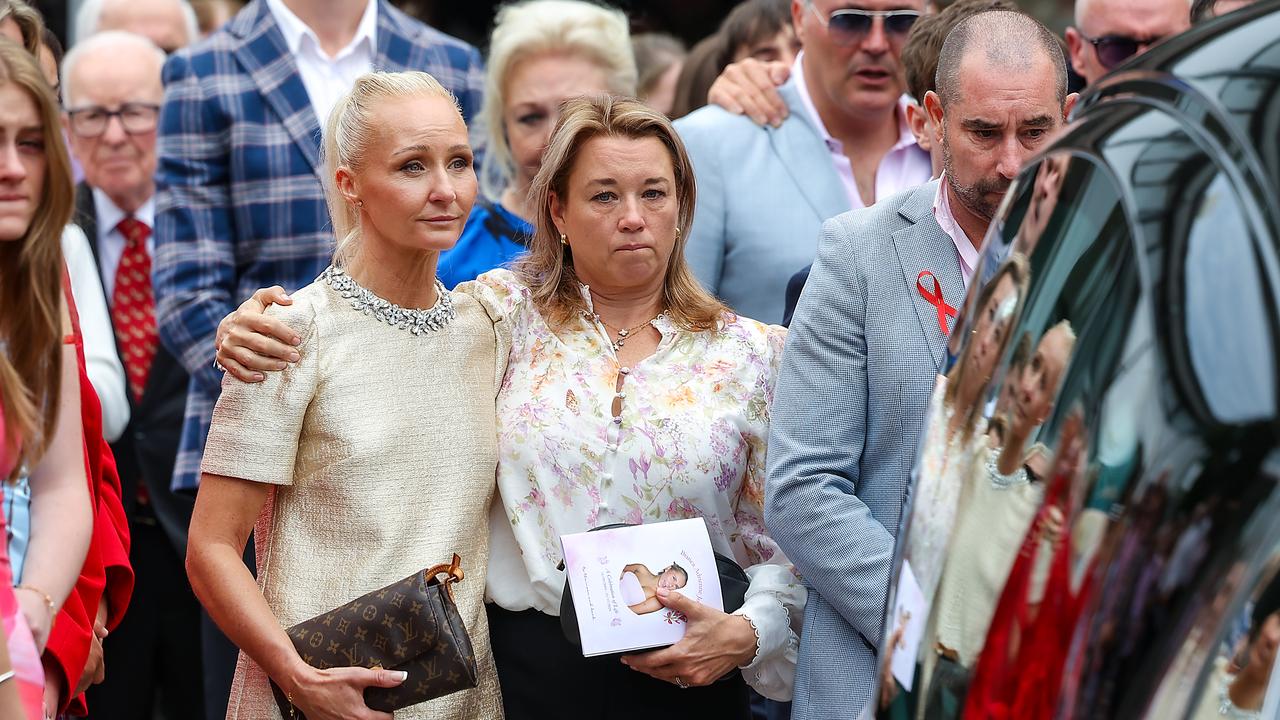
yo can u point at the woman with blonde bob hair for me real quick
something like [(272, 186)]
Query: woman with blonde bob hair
[(630, 396), (541, 53), (549, 269), (40, 425), (373, 456)]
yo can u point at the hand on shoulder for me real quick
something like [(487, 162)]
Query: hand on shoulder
[(750, 87)]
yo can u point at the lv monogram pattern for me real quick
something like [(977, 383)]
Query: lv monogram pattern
[(133, 306), (411, 625)]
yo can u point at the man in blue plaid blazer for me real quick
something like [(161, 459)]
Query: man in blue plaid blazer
[(240, 203)]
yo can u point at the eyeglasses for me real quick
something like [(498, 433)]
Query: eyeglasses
[(135, 118), (1115, 49), (850, 26)]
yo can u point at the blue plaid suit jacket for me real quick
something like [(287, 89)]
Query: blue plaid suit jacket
[(239, 199)]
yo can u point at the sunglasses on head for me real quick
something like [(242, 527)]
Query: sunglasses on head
[(1115, 49), (849, 26)]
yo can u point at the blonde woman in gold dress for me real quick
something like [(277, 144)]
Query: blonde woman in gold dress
[(373, 456)]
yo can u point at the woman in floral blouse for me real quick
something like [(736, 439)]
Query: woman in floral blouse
[(631, 395)]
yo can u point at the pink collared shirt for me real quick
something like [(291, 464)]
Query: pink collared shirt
[(967, 251), (904, 166)]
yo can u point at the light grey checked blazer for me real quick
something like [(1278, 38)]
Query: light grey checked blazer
[(860, 362), (763, 194)]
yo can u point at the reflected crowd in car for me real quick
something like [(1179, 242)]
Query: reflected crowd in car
[(1093, 527)]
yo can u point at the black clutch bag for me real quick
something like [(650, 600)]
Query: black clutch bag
[(733, 589), (412, 625)]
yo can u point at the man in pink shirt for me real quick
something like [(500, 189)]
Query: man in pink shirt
[(763, 192)]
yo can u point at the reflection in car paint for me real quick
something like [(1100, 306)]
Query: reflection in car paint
[(1093, 529)]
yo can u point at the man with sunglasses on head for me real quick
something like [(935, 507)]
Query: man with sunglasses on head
[(763, 192), (1108, 32)]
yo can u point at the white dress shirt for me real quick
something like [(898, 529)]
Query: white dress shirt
[(102, 362), (327, 78), (904, 166)]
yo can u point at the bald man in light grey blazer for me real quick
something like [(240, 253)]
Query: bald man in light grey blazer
[(864, 349)]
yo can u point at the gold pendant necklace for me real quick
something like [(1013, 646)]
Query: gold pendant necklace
[(625, 333)]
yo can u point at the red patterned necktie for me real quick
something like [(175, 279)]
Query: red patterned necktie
[(133, 307)]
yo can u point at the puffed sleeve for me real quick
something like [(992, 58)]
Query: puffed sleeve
[(499, 312), (255, 428), (775, 597), (500, 289)]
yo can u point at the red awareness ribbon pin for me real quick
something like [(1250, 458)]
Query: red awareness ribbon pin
[(934, 298)]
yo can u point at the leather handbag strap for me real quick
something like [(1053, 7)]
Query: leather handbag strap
[(452, 571)]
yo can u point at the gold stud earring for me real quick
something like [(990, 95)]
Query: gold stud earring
[(677, 233), (564, 239), (360, 203)]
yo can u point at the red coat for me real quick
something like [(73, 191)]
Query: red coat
[(106, 568)]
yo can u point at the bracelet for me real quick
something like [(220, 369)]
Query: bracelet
[(6, 676), (48, 599)]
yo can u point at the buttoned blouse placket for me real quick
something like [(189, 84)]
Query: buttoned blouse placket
[(611, 459)]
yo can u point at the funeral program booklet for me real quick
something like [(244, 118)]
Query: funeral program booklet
[(615, 574)]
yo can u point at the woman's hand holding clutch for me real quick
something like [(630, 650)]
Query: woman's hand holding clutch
[(338, 693)]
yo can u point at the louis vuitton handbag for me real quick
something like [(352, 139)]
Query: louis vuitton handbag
[(412, 625)]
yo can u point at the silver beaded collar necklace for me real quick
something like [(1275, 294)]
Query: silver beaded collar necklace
[(999, 480), (418, 322)]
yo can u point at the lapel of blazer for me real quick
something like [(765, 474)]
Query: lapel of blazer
[(396, 51), (924, 246), (87, 218), (265, 56), (804, 154)]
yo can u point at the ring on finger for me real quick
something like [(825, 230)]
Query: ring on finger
[(681, 683)]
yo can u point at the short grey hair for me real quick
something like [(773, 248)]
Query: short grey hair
[(89, 17), (1008, 39), (533, 27), (98, 41)]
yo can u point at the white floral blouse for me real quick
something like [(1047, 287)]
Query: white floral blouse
[(689, 442)]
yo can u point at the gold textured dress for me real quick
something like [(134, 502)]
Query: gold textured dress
[(380, 448)]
